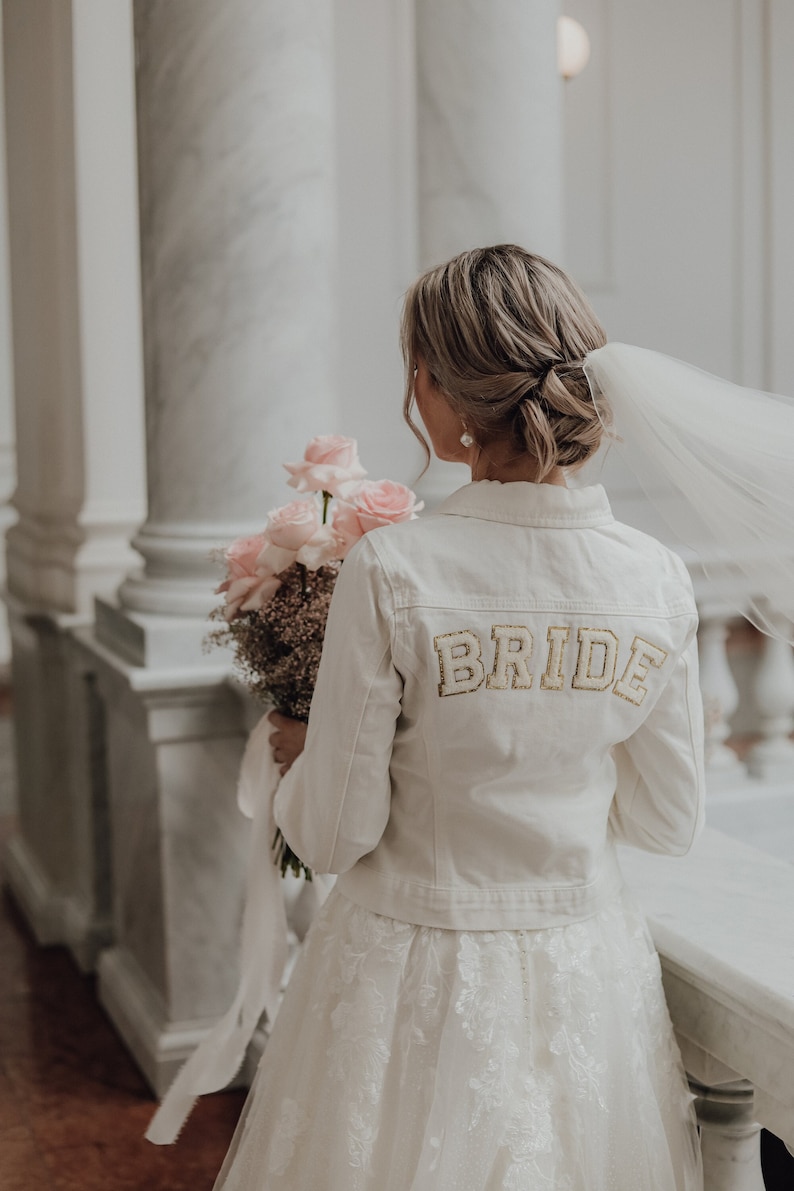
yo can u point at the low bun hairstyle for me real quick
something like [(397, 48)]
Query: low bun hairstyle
[(503, 334)]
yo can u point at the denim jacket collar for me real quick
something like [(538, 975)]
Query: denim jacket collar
[(524, 503)]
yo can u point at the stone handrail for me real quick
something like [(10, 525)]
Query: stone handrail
[(722, 919)]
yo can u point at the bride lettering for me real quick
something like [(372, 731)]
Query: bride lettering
[(462, 669)]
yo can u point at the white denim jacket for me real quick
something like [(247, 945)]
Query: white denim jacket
[(507, 687)]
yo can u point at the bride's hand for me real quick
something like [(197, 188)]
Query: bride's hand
[(287, 741)]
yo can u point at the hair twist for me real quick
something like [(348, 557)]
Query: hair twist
[(486, 323)]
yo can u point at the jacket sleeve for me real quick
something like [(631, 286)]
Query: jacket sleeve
[(658, 802), (334, 804)]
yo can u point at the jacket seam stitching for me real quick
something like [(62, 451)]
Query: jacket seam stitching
[(351, 758), (502, 889), (693, 754)]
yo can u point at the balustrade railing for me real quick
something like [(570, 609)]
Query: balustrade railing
[(722, 923), (769, 690)]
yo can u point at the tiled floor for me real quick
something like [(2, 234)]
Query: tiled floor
[(73, 1108)]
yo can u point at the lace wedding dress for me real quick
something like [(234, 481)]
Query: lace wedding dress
[(410, 1058)]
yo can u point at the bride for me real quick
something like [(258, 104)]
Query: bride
[(508, 687)]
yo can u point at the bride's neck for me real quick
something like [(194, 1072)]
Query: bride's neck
[(497, 465)]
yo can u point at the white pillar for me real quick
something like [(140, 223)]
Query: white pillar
[(490, 126), (730, 1137), (79, 421), (773, 757), (237, 249), (720, 695), (237, 242), (489, 119), (75, 300)]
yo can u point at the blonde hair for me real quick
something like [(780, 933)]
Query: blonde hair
[(503, 334)]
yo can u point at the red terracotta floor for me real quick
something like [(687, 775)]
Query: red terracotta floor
[(73, 1107)]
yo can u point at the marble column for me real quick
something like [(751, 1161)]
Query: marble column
[(490, 148), (237, 242), (490, 126), (237, 220), (79, 424)]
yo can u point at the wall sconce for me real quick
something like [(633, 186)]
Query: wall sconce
[(573, 47)]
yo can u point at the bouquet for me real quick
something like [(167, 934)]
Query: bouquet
[(279, 583)]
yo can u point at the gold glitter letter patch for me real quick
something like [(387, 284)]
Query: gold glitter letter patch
[(599, 646), (513, 651), (459, 662), (643, 654)]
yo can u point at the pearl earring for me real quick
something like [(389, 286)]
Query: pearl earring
[(465, 438)]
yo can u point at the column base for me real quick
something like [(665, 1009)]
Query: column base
[(56, 863), (175, 735), (54, 918), (159, 1046), (726, 773), (772, 761), (156, 642)]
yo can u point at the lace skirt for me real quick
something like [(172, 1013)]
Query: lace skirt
[(410, 1058)]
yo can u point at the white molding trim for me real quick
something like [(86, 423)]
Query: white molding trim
[(139, 1015), (54, 917), (42, 905), (62, 564)]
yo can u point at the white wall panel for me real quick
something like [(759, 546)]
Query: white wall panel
[(376, 163), (666, 174), (780, 52)]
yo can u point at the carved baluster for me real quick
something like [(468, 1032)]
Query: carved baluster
[(773, 756), (730, 1137), (720, 693)]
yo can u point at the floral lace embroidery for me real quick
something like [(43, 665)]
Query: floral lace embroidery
[(574, 995), (292, 1123), (526, 1051), (489, 1007), (529, 1135), (359, 1054)]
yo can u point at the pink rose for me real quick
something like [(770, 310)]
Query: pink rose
[(246, 586), (248, 593), (294, 534), (241, 556), (369, 505), (330, 463), (292, 525)]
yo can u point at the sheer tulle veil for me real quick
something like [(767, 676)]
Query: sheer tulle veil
[(717, 462)]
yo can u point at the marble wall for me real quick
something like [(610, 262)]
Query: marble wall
[(679, 183)]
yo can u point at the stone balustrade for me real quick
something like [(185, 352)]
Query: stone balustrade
[(766, 689), (722, 923)]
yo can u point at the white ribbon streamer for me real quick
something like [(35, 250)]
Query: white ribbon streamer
[(263, 949)]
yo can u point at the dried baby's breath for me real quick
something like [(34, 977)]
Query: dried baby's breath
[(277, 652), (277, 648)]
